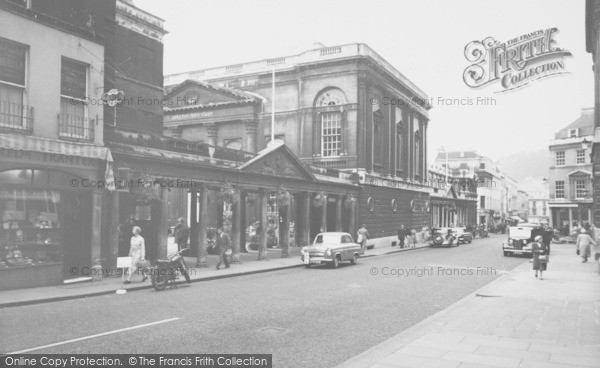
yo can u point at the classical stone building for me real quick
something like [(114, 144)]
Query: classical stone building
[(341, 107), (570, 178), (592, 28)]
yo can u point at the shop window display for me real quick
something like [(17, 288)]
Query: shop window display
[(31, 231)]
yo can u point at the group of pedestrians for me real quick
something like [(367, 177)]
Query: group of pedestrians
[(588, 242)]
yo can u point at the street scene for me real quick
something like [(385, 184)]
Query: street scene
[(299, 184)]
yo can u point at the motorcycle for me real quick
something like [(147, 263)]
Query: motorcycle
[(165, 271)]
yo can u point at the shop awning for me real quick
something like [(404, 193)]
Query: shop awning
[(46, 145)]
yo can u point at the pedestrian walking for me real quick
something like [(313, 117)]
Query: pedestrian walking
[(181, 233), (402, 233), (584, 243), (540, 256), (224, 247), (413, 238), (361, 238), (137, 252)]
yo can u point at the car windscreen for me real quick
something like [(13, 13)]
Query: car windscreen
[(327, 239), (519, 232)]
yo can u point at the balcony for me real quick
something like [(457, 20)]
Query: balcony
[(338, 162), (16, 117), (75, 127)]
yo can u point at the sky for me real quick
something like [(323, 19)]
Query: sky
[(424, 40)]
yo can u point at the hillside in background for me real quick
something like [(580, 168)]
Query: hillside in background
[(526, 165)]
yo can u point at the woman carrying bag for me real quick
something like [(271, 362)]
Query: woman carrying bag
[(540, 256)]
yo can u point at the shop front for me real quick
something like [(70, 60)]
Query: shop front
[(50, 211)]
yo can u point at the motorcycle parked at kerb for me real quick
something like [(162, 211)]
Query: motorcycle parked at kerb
[(165, 271)]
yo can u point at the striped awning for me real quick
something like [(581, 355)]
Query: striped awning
[(46, 145)]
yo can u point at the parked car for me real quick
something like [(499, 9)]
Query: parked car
[(443, 237), (331, 248), (463, 235), (520, 238)]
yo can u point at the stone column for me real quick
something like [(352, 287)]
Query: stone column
[(114, 231), (386, 137), (570, 219), (235, 228), (262, 242), (250, 141), (363, 107), (590, 219), (194, 221), (338, 213), (243, 223), (163, 224), (212, 132), (352, 222), (304, 231), (324, 214), (201, 260), (285, 230), (96, 226), (369, 128)]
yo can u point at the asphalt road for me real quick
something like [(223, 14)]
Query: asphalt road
[(316, 317)]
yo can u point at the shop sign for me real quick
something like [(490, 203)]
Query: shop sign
[(193, 115), (51, 158)]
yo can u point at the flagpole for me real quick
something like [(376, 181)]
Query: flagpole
[(273, 107)]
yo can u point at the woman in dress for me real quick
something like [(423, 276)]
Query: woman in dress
[(540, 256), (584, 242), (137, 252)]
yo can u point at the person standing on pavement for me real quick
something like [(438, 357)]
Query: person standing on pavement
[(361, 238), (182, 233), (402, 233), (224, 247), (540, 256), (584, 243), (137, 252)]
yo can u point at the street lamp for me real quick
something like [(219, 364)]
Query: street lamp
[(585, 144)]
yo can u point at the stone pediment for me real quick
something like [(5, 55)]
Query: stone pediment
[(194, 93), (278, 161)]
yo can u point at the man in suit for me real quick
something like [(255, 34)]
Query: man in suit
[(402, 234), (181, 233), (223, 245)]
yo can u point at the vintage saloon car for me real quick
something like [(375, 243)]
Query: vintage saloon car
[(331, 248), (463, 235), (444, 237), (520, 238)]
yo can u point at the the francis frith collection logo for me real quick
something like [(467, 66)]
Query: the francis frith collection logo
[(514, 63)]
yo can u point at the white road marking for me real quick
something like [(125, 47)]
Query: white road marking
[(93, 336)]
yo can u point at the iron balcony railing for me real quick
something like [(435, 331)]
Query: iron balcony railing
[(75, 127), (16, 116), (337, 162)]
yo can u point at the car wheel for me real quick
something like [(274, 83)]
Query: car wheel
[(335, 263), (354, 259), (470, 241), (506, 254)]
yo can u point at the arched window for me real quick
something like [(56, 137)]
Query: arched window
[(399, 140), (331, 122), (331, 97)]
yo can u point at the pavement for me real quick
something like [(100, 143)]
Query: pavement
[(515, 321), (249, 264)]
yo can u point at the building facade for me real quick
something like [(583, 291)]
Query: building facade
[(453, 200), (570, 178), (539, 211), (51, 144), (333, 108), (492, 185), (592, 28)]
